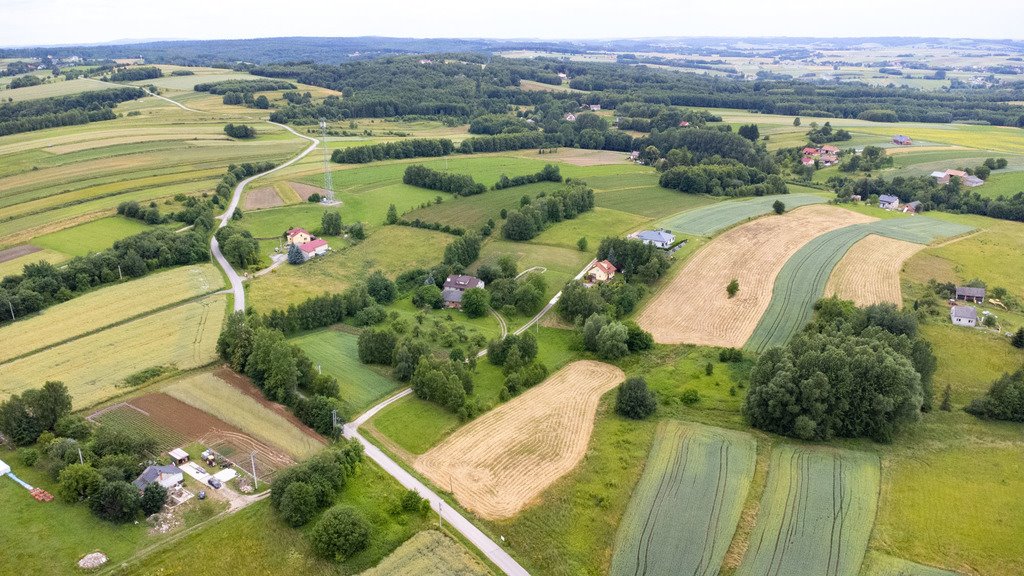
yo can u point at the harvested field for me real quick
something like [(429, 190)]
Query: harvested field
[(869, 273), (499, 463), (816, 513), (94, 366), (17, 252), (265, 197), (694, 307), (306, 190), (683, 513), (429, 552)]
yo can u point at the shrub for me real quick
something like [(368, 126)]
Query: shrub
[(28, 456), (298, 505), (778, 207), (116, 501), (690, 397), (733, 287), (77, 482), (342, 532), (1003, 401), (153, 498), (428, 295), (634, 400)]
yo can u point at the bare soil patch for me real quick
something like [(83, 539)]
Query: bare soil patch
[(869, 273), (265, 197), (694, 307), (499, 463), (305, 190), (175, 415), (17, 252)]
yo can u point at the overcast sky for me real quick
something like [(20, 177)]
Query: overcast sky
[(40, 22)]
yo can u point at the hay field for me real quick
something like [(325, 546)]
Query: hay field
[(499, 463), (214, 396), (869, 273), (683, 513), (94, 367), (694, 307), (816, 513), (429, 552), (101, 308)]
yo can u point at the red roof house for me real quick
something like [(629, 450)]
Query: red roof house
[(809, 151), (601, 272), (313, 248)]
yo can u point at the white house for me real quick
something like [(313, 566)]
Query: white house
[(964, 315), (656, 238), (595, 107), (4, 468), (888, 202), (570, 117), (166, 476)]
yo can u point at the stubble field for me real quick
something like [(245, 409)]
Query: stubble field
[(869, 273)]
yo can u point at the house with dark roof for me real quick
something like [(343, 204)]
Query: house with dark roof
[(888, 202), (166, 476), (970, 294), (455, 286), (964, 315), (911, 207), (657, 238)]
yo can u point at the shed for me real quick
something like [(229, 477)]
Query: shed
[(4, 468), (970, 294), (912, 207), (964, 315), (178, 456), (888, 202)]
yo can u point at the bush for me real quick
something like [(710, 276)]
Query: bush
[(78, 482), (381, 288), (153, 498), (342, 532), (240, 131), (690, 397), (73, 426), (1003, 401), (428, 295), (733, 287), (298, 505), (28, 456), (116, 501), (634, 400)]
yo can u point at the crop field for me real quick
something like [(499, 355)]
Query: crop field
[(640, 194), (499, 463), (265, 197), (213, 395), (17, 264), (709, 220), (598, 223), (869, 272), (683, 513), (94, 366), (876, 564), (101, 308), (429, 552), (126, 417), (336, 352), (802, 280), (816, 513), (695, 308), (392, 251), (58, 88)]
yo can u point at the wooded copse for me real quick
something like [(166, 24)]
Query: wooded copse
[(531, 219), (29, 115), (458, 184), (134, 74), (242, 86)]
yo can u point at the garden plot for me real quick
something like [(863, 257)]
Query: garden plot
[(499, 463), (815, 515), (683, 514), (694, 307)]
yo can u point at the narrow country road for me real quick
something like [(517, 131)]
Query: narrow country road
[(551, 304)]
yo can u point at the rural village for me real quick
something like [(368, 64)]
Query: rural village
[(389, 306)]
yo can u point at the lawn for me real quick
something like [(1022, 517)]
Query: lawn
[(336, 352), (273, 222), (218, 398), (95, 236), (430, 552), (598, 223), (100, 308)]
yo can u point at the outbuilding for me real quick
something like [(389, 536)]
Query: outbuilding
[(970, 294), (4, 468), (888, 202), (964, 315), (178, 456), (313, 248)]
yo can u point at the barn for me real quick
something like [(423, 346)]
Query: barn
[(970, 294)]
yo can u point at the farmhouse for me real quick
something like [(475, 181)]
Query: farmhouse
[(313, 248), (810, 151), (829, 159), (807, 161), (888, 202), (965, 178), (829, 149), (166, 476), (970, 294), (964, 315), (298, 236), (454, 287), (603, 271), (901, 140), (178, 456), (656, 238), (912, 207)]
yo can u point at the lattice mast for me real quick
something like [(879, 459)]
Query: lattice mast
[(328, 177)]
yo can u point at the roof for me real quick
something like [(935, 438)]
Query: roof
[(656, 236), (964, 312), (683, 123), (888, 199), (810, 150), (914, 204), (606, 267), (938, 174), (829, 148), (959, 173), (451, 295), (152, 474), (295, 231), (462, 282), (829, 158), (178, 454), (901, 138), (970, 291), (972, 181), (807, 160), (313, 245)]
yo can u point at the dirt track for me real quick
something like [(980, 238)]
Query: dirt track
[(499, 463), (695, 308), (869, 273)]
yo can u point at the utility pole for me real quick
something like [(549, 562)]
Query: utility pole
[(80, 459), (440, 507), (12, 310), (119, 272), (255, 480)]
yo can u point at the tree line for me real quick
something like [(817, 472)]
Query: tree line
[(242, 86), (42, 113), (550, 173), (134, 74), (950, 197), (534, 216), (458, 184), (722, 180)]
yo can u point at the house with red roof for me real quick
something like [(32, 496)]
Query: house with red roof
[(602, 271), (298, 236), (314, 248), (829, 149)]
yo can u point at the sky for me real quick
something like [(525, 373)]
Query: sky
[(45, 22)]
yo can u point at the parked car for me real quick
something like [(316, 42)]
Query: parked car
[(214, 482)]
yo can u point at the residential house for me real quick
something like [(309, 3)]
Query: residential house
[(595, 107), (888, 202), (810, 151), (166, 476), (901, 140), (970, 294), (570, 117), (298, 236), (562, 75), (911, 207), (313, 248), (965, 178), (829, 149), (657, 238), (807, 161), (964, 315), (602, 271), (178, 456), (683, 123), (829, 159), (454, 287)]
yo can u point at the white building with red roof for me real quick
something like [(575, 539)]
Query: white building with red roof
[(313, 248), (298, 236), (602, 271)]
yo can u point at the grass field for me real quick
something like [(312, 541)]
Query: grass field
[(100, 308), (273, 222), (561, 264), (94, 366), (214, 396), (683, 513), (429, 552), (361, 386), (640, 194), (710, 220), (17, 265), (56, 88), (94, 236), (598, 223), (816, 513), (876, 564)]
